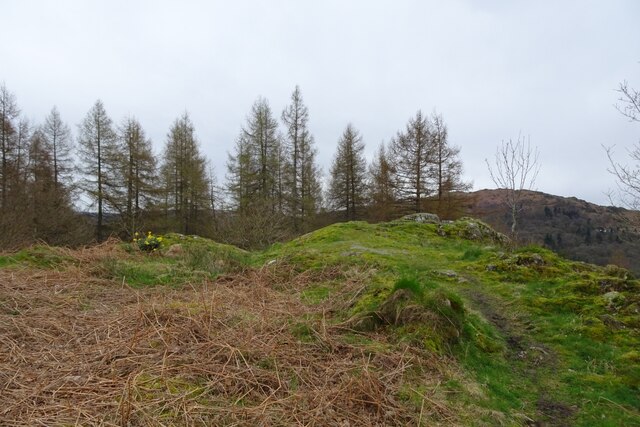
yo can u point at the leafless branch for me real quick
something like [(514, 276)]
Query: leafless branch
[(515, 169), (629, 102), (628, 177)]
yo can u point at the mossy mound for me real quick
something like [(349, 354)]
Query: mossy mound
[(40, 256), (179, 260), (401, 308), (191, 243), (431, 317)]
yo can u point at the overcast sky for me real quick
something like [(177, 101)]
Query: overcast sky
[(493, 69)]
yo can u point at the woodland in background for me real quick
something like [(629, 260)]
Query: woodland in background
[(273, 188)]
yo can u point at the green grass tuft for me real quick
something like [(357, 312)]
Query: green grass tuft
[(411, 284)]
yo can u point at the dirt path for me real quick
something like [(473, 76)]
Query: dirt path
[(535, 358)]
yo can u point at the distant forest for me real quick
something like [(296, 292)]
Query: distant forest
[(273, 188)]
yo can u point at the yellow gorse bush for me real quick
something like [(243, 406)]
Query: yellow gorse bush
[(150, 243)]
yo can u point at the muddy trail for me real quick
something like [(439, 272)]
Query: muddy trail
[(533, 359)]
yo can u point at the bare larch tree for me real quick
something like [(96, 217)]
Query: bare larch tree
[(57, 135), (301, 173), (411, 152), (347, 187), (382, 186), (95, 144), (9, 111)]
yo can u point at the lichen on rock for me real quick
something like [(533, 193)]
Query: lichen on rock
[(422, 217)]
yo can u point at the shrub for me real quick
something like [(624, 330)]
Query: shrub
[(150, 243)]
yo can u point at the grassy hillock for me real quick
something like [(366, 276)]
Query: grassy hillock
[(411, 322)]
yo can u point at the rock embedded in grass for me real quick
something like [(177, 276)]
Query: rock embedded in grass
[(422, 217), (613, 298)]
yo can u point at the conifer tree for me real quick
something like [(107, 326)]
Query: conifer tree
[(96, 141), (254, 170), (57, 136), (240, 175), (256, 180), (348, 175), (41, 186), (310, 187), (412, 153), (302, 176), (446, 168), (9, 111), (18, 172), (50, 215), (184, 171), (382, 186), (14, 224), (135, 174)]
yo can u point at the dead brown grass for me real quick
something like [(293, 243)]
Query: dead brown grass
[(244, 350)]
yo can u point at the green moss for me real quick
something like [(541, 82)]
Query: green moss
[(588, 287), (149, 387), (472, 254), (316, 294), (594, 329), (6, 260), (150, 272), (303, 331), (632, 356), (619, 272), (369, 345), (371, 300), (38, 256), (482, 335), (212, 260)]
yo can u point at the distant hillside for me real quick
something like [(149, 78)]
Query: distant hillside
[(574, 228)]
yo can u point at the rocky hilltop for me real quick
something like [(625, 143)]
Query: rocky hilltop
[(572, 227)]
